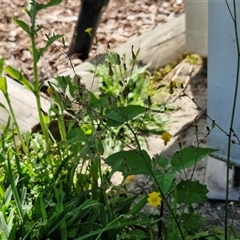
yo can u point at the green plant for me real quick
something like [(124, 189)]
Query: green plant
[(128, 85), (56, 184), (56, 175)]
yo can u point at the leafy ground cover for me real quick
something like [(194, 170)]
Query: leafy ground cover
[(60, 187)]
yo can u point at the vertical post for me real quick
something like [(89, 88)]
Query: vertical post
[(197, 26), (222, 67), (210, 22), (88, 19)]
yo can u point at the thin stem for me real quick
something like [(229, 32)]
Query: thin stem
[(103, 187), (13, 183), (35, 74), (37, 92), (232, 117), (24, 147)]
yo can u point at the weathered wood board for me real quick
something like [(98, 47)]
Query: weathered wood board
[(24, 105), (159, 47)]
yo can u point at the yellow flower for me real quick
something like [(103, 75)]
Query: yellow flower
[(89, 31), (49, 91), (154, 199), (166, 136)]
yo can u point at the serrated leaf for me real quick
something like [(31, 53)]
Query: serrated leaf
[(187, 157), (116, 117), (165, 180), (23, 25), (130, 162), (17, 75), (190, 192)]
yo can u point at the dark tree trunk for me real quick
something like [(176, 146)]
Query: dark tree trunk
[(89, 16)]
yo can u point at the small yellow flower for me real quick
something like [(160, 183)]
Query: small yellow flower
[(154, 199), (49, 91), (89, 31), (166, 136)]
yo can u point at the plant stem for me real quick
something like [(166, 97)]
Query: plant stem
[(234, 18), (13, 183), (24, 147), (37, 93)]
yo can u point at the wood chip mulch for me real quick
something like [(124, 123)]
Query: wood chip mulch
[(123, 20)]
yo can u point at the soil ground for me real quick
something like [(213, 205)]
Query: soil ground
[(123, 20)]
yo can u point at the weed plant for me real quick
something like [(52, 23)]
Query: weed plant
[(55, 181)]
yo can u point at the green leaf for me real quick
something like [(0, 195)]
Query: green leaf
[(1, 66), (39, 28), (91, 220), (130, 162), (165, 180), (161, 161), (58, 219), (81, 211), (116, 224), (8, 196), (138, 234), (187, 157), (23, 25), (3, 86), (206, 236), (76, 135), (191, 222), (99, 147), (42, 208), (4, 227), (17, 75), (191, 192), (139, 206), (96, 102), (122, 204), (116, 117), (48, 44), (51, 3)]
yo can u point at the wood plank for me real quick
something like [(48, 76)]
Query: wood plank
[(24, 105), (160, 46)]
